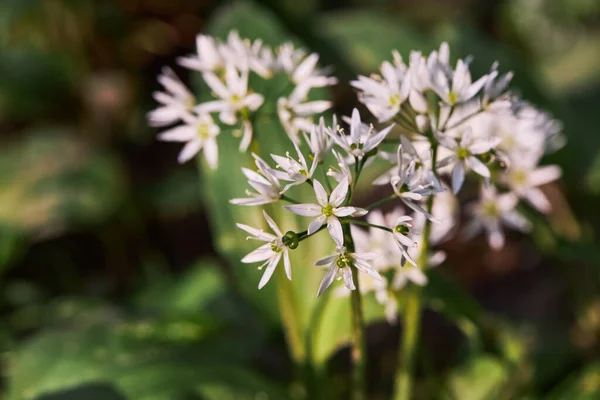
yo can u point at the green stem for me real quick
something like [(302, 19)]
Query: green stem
[(365, 223), (412, 316), (289, 199), (382, 201), (358, 351)]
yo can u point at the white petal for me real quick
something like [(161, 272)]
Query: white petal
[(316, 224), (335, 230), (257, 233), (216, 85), (327, 279), (182, 133), (347, 275), (545, 174), (477, 166), (189, 151), (269, 271), (272, 224), (211, 153), (416, 276), (320, 193), (538, 199), (344, 211), (326, 261), (458, 177), (339, 193), (262, 253), (287, 264), (306, 210)]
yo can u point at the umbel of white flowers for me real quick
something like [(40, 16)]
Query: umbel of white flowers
[(458, 129), (226, 68)]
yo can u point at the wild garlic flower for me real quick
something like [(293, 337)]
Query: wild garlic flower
[(328, 210), (401, 230), (199, 133), (342, 264), (269, 253), (176, 101), (491, 212), (410, 186), (465, 149), (208, 57), (360, 141), (295, 171), (524, 180), (234, 100), (265, 183), (384, 94), (319, 140), (452, 86), (296, 115)]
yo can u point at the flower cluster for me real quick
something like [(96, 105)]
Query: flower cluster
[(228, 68), (440, 130)]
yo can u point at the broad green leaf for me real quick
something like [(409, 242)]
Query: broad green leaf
[(42, 194), (480, 378), (301, 310), (136, 358), (581, 385), (366, 38)]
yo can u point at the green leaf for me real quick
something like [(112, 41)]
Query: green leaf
[(581, 385), (367, 38), (42, 194), (478, 379), (315, 327)]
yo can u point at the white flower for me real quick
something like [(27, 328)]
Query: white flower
[(342, 263), (297, 116), (524, 181), (327, 210), (266, 184), (234, 99), (208, 57), (307, 73), (360, 141), (410, 186), (296, 171), (452, 87), (271, 252), (319, 140), (176, 101), (464, 155), (491, 212), (401, 229), (246, 56), (199, 133), (344, 170), (383, 95)]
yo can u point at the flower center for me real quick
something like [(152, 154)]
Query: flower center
[(490, 209), (327, 211), (452, 97), (235, 99), (355, 146), (275, 247), (203, 131), (344, 261), (519, 177), (394, 99), (462, 153)]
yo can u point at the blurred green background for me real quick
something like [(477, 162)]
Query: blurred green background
[(110, 287)]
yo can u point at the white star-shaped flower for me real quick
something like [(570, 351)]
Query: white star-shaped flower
[(199, 133), (491, 212), (296, 171), (341, 264), (361, 140), (271, 252), (328, 210), (176, 102), (464, 155), (265, 183)]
